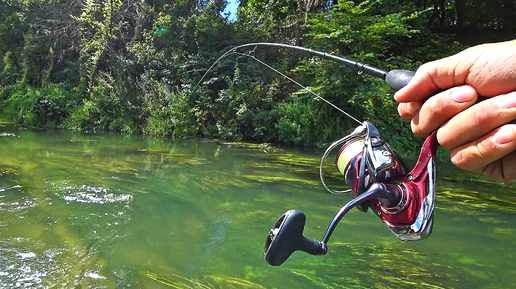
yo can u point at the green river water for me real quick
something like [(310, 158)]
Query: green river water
[(113, 211)]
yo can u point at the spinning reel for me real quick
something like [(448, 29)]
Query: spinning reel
[(403, 200)]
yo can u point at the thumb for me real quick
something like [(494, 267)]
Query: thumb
[(489, 68), (432, 77)]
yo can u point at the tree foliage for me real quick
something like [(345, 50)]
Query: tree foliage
[(132, 66)]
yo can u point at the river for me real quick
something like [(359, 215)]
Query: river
[(114, 211)]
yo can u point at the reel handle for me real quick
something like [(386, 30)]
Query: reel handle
[(286, 237)]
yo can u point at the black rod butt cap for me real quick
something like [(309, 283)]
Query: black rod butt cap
[(397, 79)]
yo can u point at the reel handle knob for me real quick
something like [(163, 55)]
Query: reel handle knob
[(286, 237)]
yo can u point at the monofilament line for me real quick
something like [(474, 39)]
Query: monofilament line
[(300, 85)]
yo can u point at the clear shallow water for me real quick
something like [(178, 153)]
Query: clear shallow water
[(111, 211)]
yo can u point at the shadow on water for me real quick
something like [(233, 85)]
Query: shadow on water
[(112, 211)]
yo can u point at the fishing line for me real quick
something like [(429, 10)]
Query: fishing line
[(359, 67), (396, 79), (317, 96)]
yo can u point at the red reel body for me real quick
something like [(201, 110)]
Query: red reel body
[(419, 190), (407, 217)]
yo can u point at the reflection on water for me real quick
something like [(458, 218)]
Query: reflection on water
[(111, 211)]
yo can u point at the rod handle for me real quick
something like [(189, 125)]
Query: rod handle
[(398, 78)]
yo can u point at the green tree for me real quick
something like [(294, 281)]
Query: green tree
[(131, 65), (279, 20)]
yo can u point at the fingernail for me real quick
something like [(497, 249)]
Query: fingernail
[(508, 100), (463, 94), (504, 135)]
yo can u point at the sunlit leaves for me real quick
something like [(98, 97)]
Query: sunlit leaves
[(98, 30)]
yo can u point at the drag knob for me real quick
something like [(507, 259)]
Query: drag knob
[(286, 237)]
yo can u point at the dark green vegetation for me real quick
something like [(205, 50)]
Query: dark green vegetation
[(130, 66)]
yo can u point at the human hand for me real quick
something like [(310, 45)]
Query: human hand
[(479, 134)]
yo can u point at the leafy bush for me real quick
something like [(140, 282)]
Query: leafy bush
[(8, 71), (107, 107), (169, 112), (45, 107)]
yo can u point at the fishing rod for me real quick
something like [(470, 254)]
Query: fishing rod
[(317, 96), (378, 176), (396, 79)]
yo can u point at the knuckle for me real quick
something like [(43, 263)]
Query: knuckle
[(482, 113), (457, 158), (429, 68), (473, 156), (435, 106), (418, 129)]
